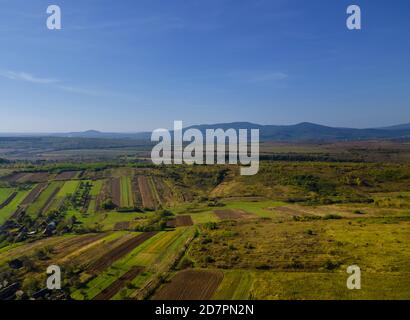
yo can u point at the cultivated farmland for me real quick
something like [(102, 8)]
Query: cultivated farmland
[(148, 196), (7, 200), (34, 194), (232, 214), (7, 211), (191, 285), (127, 200), (44, 200), (119, 252), (113, 288), (141, 232), (67, 175), (116, 191)]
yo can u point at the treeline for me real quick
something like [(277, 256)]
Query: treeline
[(307, 157)]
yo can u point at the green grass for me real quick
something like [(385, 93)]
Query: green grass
[(5, 193), (204, 217), (7, 211), (94, 192), (157, 257), (236, 285), (96, 188), (68, 188), (35, 208), (92, 207), (153, 253), (126, 192)]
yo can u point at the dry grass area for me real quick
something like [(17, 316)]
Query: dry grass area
[(307, 245)]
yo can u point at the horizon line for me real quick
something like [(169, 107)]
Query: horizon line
[(42, 133)]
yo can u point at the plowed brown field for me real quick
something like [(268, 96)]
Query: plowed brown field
[(232, 214), (67, 175), (184, 221), (34, 177), (191, 285), (116, 191), (148, 199)]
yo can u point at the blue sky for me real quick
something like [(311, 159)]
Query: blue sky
[(138, 65)]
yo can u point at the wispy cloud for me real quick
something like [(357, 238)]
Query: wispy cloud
[(97, 93), (148, 23), (58, 84), (24, 76), (272, 76)]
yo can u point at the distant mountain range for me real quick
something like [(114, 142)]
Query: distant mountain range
[(304, 131)]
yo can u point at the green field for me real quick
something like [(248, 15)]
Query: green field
[(96, 188), (236, 285), (35, 208), (68, 188), (126, 193), (158, 249), (7, 211), (5, 193), (204, 217)]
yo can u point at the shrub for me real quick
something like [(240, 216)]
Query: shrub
[(309, 232), (109, 204), (210, 226), (209, 259), (358, 212), (331, 265), (332, 217)]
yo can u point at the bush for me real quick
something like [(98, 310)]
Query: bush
[(109, 204), (211, 226), (310, 232), (330, 265), (332, 217), (209, 259)]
